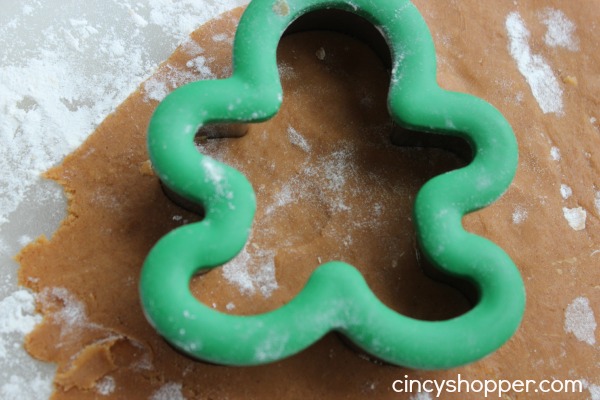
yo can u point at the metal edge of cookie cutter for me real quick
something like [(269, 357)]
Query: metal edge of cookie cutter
[(336, 297)]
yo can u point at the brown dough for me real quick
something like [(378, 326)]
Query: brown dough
[(329, 186)]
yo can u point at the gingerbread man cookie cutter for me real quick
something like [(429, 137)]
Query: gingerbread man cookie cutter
[(336, 297)]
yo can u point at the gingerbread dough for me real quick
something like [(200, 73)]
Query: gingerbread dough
[(329, 185)]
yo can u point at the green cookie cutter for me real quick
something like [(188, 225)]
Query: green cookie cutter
[(336, 297)]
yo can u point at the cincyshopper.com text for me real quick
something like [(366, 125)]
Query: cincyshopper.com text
[(487, 388)]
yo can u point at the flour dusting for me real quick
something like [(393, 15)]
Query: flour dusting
[(575, 217), (18, 388), (519, 215), (421, 396), (594, 391), (64, 66), (252, 270), (565, 191), (328, 180), (106, 385), (169, 391), (71, 314), (560, 30), (61, 78), (272, 347), (297, 139), (540, 77), (580, 321), (200, 66), (17, 316), (169, 78)]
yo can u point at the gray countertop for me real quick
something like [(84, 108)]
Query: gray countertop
[(64, 65)]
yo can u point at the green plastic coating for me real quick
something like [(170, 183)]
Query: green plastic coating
[(336, 297)]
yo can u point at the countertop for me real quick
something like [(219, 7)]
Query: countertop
[(64, 65)]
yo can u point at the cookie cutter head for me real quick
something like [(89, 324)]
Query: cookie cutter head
[(336, 297)]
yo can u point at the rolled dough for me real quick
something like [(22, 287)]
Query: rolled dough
[(331, 186)]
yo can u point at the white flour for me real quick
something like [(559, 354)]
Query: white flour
[(17, 316), (539, 75), (565, 191), (519, 215), (575, 217), (64, 65), (170, 391), (560, 30), (580, 321)]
